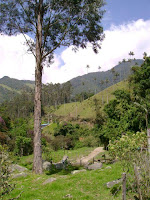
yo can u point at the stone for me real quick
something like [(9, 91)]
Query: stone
[(19, 168), (112, 183), (108, 167), (78, 171), (50, 180), (65, 158), (58, 165), (19, 175), (95, 166), (47, 165), (69, 196)]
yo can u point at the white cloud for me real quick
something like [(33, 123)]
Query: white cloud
[(14, 59), (119, 41)]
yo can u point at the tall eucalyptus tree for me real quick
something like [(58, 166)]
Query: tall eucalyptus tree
[(51, 24)]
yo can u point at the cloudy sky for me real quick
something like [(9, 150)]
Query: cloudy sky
[(126, 26)]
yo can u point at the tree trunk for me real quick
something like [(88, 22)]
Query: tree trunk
[(148, 139), (37, 162)]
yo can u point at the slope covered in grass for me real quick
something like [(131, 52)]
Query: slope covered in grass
[(86, 108), (88, 185)]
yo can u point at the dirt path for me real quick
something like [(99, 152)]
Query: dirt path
[(94, 153)]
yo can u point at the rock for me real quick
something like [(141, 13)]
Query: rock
[(19, 168), (78, 171), (112, 183), (65, 158), (50, 180), (95, 166), (58, 165), (19, 175), (69, 196), (108, 167), (47, 165)]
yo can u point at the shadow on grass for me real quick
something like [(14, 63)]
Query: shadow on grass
[(67, 170)]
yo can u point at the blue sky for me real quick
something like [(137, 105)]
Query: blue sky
[(126, 26), (124, 11)]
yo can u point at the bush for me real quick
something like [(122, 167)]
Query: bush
[(61, 142), (125, 148), (23, 146), (130, 149), (3, 138), (5, 186), (87, 141)]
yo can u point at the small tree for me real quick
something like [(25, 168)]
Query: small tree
[(51, 24), (88, 67)]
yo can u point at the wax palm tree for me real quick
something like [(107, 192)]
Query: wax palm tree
[(124, 61), (88, 67), (144, 55), (95, 84), (102, 83), (131, 53), (107, 81), (113, 73), (99, 68)]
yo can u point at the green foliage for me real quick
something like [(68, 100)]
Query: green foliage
[(64, 129), (127, 145), (5, 186), (122, 116), (87, 141), (19, 127), (130, 150), (23, 146), (140, 79), (3, 138), (140, 83), (100, 118), (62, 142)]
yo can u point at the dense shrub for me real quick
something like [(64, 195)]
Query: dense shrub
[(3, 138), (61, 142), (127, 145), (3, 127), (23, 146), (131, 151), (5, 186)]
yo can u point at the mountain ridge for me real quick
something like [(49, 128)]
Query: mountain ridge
[(93, 82)]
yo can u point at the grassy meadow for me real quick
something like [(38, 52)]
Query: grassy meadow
[(86, 108), (88, 185)]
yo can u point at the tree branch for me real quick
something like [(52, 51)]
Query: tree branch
[(60, 40), (27, 16)]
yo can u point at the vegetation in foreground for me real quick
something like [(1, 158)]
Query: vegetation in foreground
[(121, 126), (84, 185)]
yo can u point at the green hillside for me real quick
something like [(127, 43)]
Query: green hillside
[(96, 81), (86, 109), (90, 83), (10, 87)]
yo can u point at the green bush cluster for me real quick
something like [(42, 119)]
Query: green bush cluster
[(125, 147), (131, 150), (69, 136), (5, 186)]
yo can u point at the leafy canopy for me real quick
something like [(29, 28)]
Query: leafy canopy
[(64, 23)]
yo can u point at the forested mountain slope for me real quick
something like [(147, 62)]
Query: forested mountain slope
[(98, 81), (89, 83), (10, 87)]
